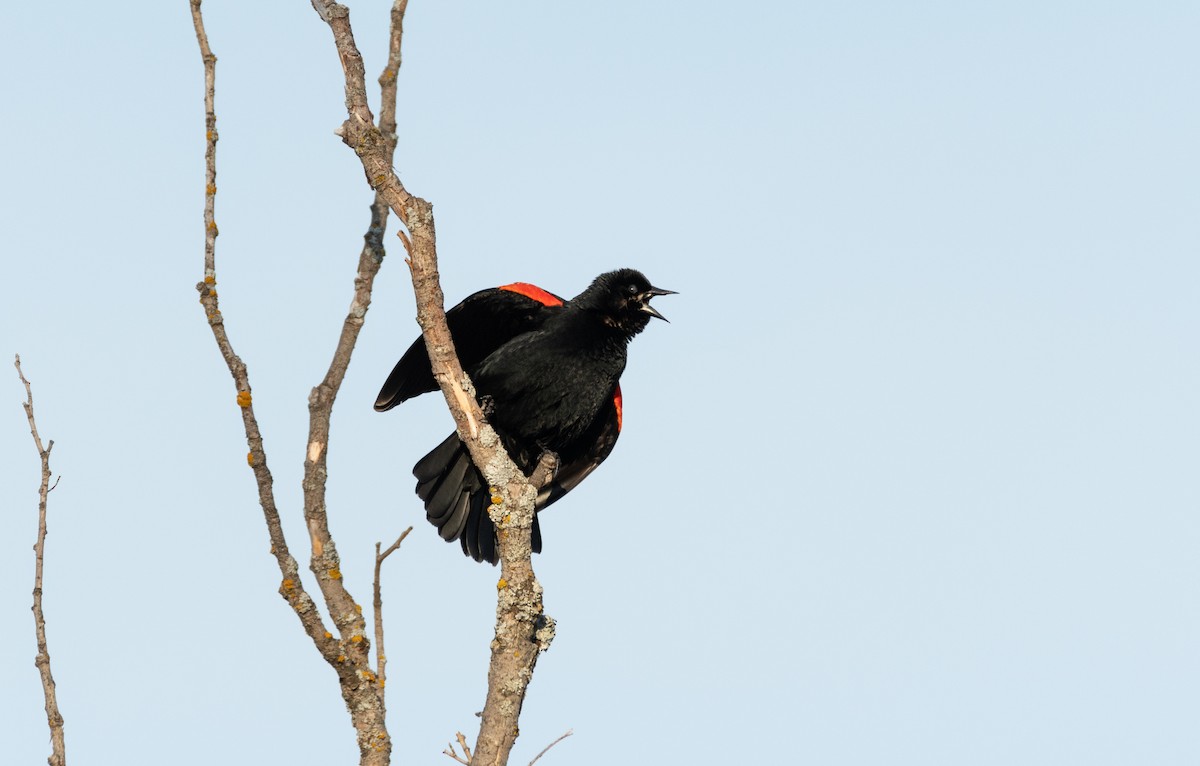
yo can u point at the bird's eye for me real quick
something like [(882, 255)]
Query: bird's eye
[(633, 289)]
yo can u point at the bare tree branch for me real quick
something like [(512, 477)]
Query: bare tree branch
[(380, 656), (521, 629), (387, 79), (349, 653), (291, 587), (462, 742), (58, 744), (568, 733)]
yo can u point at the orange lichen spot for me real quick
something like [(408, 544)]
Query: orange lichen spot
[(502, 584), (212, 293), (328, 634), (506, 519), (250, 458), (243, 399), (212, 226), (335, 574), (210, 280), (516, 654), (358, 608), (341, 658), (368, 675), (497, 500), (356, 639), (210, 189), (289, 584)]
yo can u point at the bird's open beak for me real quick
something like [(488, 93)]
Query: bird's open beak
[(646, 296)]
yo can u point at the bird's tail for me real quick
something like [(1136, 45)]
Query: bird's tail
[(456, 500)]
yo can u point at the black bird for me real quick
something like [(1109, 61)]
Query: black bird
[(548, 371)]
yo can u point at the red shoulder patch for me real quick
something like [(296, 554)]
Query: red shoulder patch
[(534, 292), (617, 402)]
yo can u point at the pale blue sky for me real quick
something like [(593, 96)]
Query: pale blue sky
[(910, 478)]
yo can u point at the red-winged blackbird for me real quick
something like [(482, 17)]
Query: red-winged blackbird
[(548, 370)]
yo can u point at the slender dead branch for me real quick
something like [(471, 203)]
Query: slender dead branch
[(380, 656), (387, 80), (210, 147), (522, 631), (368, 710), (462, 742), (291, 587), (568, 733), (348, 654), (58, 743)]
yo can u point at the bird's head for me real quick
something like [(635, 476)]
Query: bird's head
[(622, 297)]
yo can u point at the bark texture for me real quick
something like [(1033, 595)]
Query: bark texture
[(348, 653), (522, 630)]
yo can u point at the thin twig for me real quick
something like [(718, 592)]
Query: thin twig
[(552, 744), (380, 657), (462, 742), (210, 145), (519, 611), (387, 79), (58, 744)]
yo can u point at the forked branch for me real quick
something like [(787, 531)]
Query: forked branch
[(349, 652), (522, 631), (380, 654)]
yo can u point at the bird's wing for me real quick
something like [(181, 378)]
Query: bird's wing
[(597, 444), (479, 325)]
